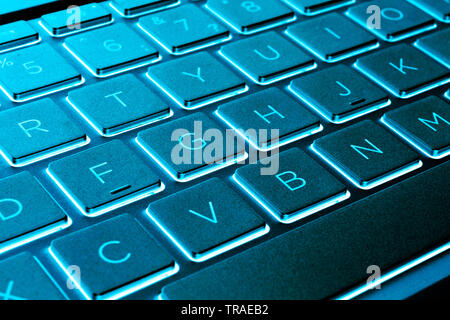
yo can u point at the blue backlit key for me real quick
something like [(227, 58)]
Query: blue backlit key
[(111, 50), (17, 34), (313, 7), (22, 277), (104, 178), (184, 29), (267, 58), (348, 95), (397, 19), (447, 94), (27, 212), (332, 37), (133, 8), (366, 154), (35, 71), (36, 131), (196, 80), (249, 16), (218, 219), (440, 9), (117, 105), (290, 185), (115, 258), (403, 70), (425, 124), (269, 119), (192, 146), (436, 45)]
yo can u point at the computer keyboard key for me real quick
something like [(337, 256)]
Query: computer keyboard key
[(37, 131), (348, 95), (329, 256), (196, 80), (35, 71), (425, 124), (366, 154), (269, 119), (64, 22), (134, 8), (292, 190), (118, 105), (218, 219), (22, 277), (436, 46), (104, 178), (267, 58), (17, 34), (447, 94), (398, 20), (191, 146), (184, 29), (116, 257), (27, 212), (111, 50), (439, 9), (332, 37), (250, 16), (403, 70), (313, 7)]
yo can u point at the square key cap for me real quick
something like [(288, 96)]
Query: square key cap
[(218, 219), (35, 71), (294, 189), (27, 212), (251, 16), (183, 29), (313, 7), (116, 258), (17, 34), (332, 37), (439, 9), (192, 146), (104, 178), (126, 104), (398, 19), (269, 119), (196, 80), (111, 50), (267, 58), (348, 95), (436, 45), (37, 131), (366, 154), (63, 22), (425, 124), (23, 277), (403, 70), (134, 8)]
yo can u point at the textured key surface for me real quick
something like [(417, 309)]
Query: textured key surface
[(130, 8), (22, 278), (425, 123), (16, 34), (332, 37), (115, 257), (348, 94), (367, 154), (196, 80), (26, 214), (267, 58), (403, 70), (104, 177), (126, 103), (34, 71), (111, 49), (269, 110), (436, 45), (184, 29), (384, 229), (312, 7), (298, 188), (36, 131), (440, 9), (218, 219)]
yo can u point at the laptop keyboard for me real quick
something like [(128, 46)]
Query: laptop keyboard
[(94, 112)]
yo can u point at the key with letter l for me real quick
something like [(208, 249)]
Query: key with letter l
[(436, 46)]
